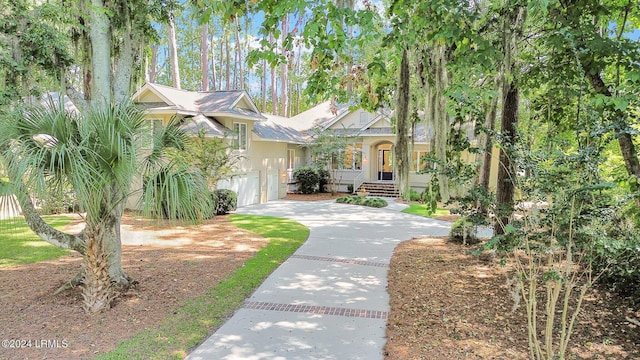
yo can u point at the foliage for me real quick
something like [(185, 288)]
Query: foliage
[(224, 201), (193, 322), (99, 155), (58, 201), (21, 246), (324, 177), (464, 232), (364, 201), (211, 156), (617, 258), (307, 178), (328, 149), (32, 49)]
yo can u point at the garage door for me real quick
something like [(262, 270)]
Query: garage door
[(247, 186), (272, 186)]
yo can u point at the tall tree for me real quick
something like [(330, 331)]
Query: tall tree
[(173, 48), (403, 128), (513, 25)]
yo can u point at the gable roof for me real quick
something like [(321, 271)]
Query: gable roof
[(210, 127), (321, 115), (208, 103)]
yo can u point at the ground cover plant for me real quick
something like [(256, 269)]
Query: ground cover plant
[(364, 201)]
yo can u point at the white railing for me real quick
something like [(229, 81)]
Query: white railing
[(359, 180)]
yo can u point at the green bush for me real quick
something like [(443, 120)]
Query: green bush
[(357, 200), (224, 201), (307, 178), (414, 195), (323, 179), (464, 231)]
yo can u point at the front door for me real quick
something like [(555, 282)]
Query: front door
[(385, 162)]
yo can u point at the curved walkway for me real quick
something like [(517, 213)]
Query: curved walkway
[(329, 299)]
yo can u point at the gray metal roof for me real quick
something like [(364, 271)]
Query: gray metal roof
[(270, 130), (211, 127)]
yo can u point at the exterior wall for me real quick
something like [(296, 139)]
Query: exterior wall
[(270, 158), (354, 120)]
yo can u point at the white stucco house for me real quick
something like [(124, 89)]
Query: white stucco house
[(273, 146)]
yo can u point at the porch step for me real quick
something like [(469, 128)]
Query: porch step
[(382, 189)]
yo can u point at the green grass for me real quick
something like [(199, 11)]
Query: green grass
[(19, 245), (421, 210), (193, 322)]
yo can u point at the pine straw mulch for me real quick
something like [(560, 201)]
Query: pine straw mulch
[(183, 263), (446, 304)]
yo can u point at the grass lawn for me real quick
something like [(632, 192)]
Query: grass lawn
[(19, 245), (421, 209), (190, 324)]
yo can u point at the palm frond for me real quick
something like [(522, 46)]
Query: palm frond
[(175, 192)]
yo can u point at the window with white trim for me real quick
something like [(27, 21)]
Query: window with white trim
[(420, 163), (151, 128), (292, 159), (240, 141), (351, 157)]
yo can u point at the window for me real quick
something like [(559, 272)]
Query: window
[(364, 118), (352, 159), (419, 161), (151, 128), (292, 159), (240, 142)]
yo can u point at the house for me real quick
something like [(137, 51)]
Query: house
[(273, 146), (264, 145)]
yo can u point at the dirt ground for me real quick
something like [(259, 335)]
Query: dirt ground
[(446, 304), (167, 275)]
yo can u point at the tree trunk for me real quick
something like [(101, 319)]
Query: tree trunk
[(204, 57), (173, 51), (437, 108), (239, 59), (214, 74), (100, 35), (154, 63), (274, 85), (284, 68), (227, 56), (513, 24), (125, 64), (486, 141), (402, 122), (506, 169), (263, 86), (45, 231)]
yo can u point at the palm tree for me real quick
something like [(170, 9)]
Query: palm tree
[(100, 155)]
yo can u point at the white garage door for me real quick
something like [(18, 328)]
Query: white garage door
[(272, 188), (247, 186)]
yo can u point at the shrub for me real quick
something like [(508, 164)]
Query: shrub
[(224, 201), (350, 188), (323, 179), (357, 200), (617, 259), (414, 195), (307, 178), (464, 231)]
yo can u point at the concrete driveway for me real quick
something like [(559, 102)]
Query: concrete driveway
[(329, 299)]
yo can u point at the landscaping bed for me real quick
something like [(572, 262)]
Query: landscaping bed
[(446, 304), (168, 276)]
